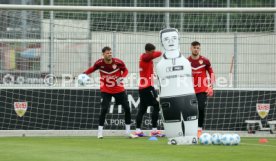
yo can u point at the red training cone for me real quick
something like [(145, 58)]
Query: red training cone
[(263, 140)]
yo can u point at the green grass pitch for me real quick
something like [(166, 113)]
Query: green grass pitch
[(124, 149)]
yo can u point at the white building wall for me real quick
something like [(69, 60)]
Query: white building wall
[(256, 53)]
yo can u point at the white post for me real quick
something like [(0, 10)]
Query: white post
[(181, 16), (275, 17), (167, 14), (51, 44), (41, 19), (24, 26), (135, 18), (114, 44), (235, 60), (228, 17), (89, 35)]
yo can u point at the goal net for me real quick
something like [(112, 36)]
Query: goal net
[(43, 49)]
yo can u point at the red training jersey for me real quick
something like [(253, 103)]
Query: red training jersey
[(200, 67), (109, 74), (146, 69)]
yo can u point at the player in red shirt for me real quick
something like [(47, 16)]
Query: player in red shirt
[(147, 93), (202, 84), (112, 72)]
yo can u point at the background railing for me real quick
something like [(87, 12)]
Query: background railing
[(33, 44)]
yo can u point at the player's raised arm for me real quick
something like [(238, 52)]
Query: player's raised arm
[(91, 69), (83, 78), (152, 55)]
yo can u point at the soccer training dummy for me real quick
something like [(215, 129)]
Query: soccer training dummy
[(177, 96)]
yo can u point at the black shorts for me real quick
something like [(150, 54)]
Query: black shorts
[(120, 98), (172, 107), (148, 96)]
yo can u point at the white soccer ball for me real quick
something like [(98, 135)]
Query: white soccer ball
[(83, 79), (205, 139), (227, 139), (237, 139), (216, 139)]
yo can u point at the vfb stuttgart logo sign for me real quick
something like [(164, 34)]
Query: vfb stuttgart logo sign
[(262, 109), (20, 108)]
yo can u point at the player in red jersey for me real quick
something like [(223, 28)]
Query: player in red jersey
[(202, 84), (147, 93), (112, 72)]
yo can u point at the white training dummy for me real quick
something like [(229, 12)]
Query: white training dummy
[(177, 96)]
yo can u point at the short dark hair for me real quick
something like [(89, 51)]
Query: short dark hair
[(149, 47), (195, 43), (106, 48)]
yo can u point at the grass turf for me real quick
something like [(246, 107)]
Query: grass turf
[(123, 149)]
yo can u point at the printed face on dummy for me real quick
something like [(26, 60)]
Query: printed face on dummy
[(170, 40)]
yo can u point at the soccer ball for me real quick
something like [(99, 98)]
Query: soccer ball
[(216, 139), (205, 139), (83, 79), (227, 139), (237, 139)]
